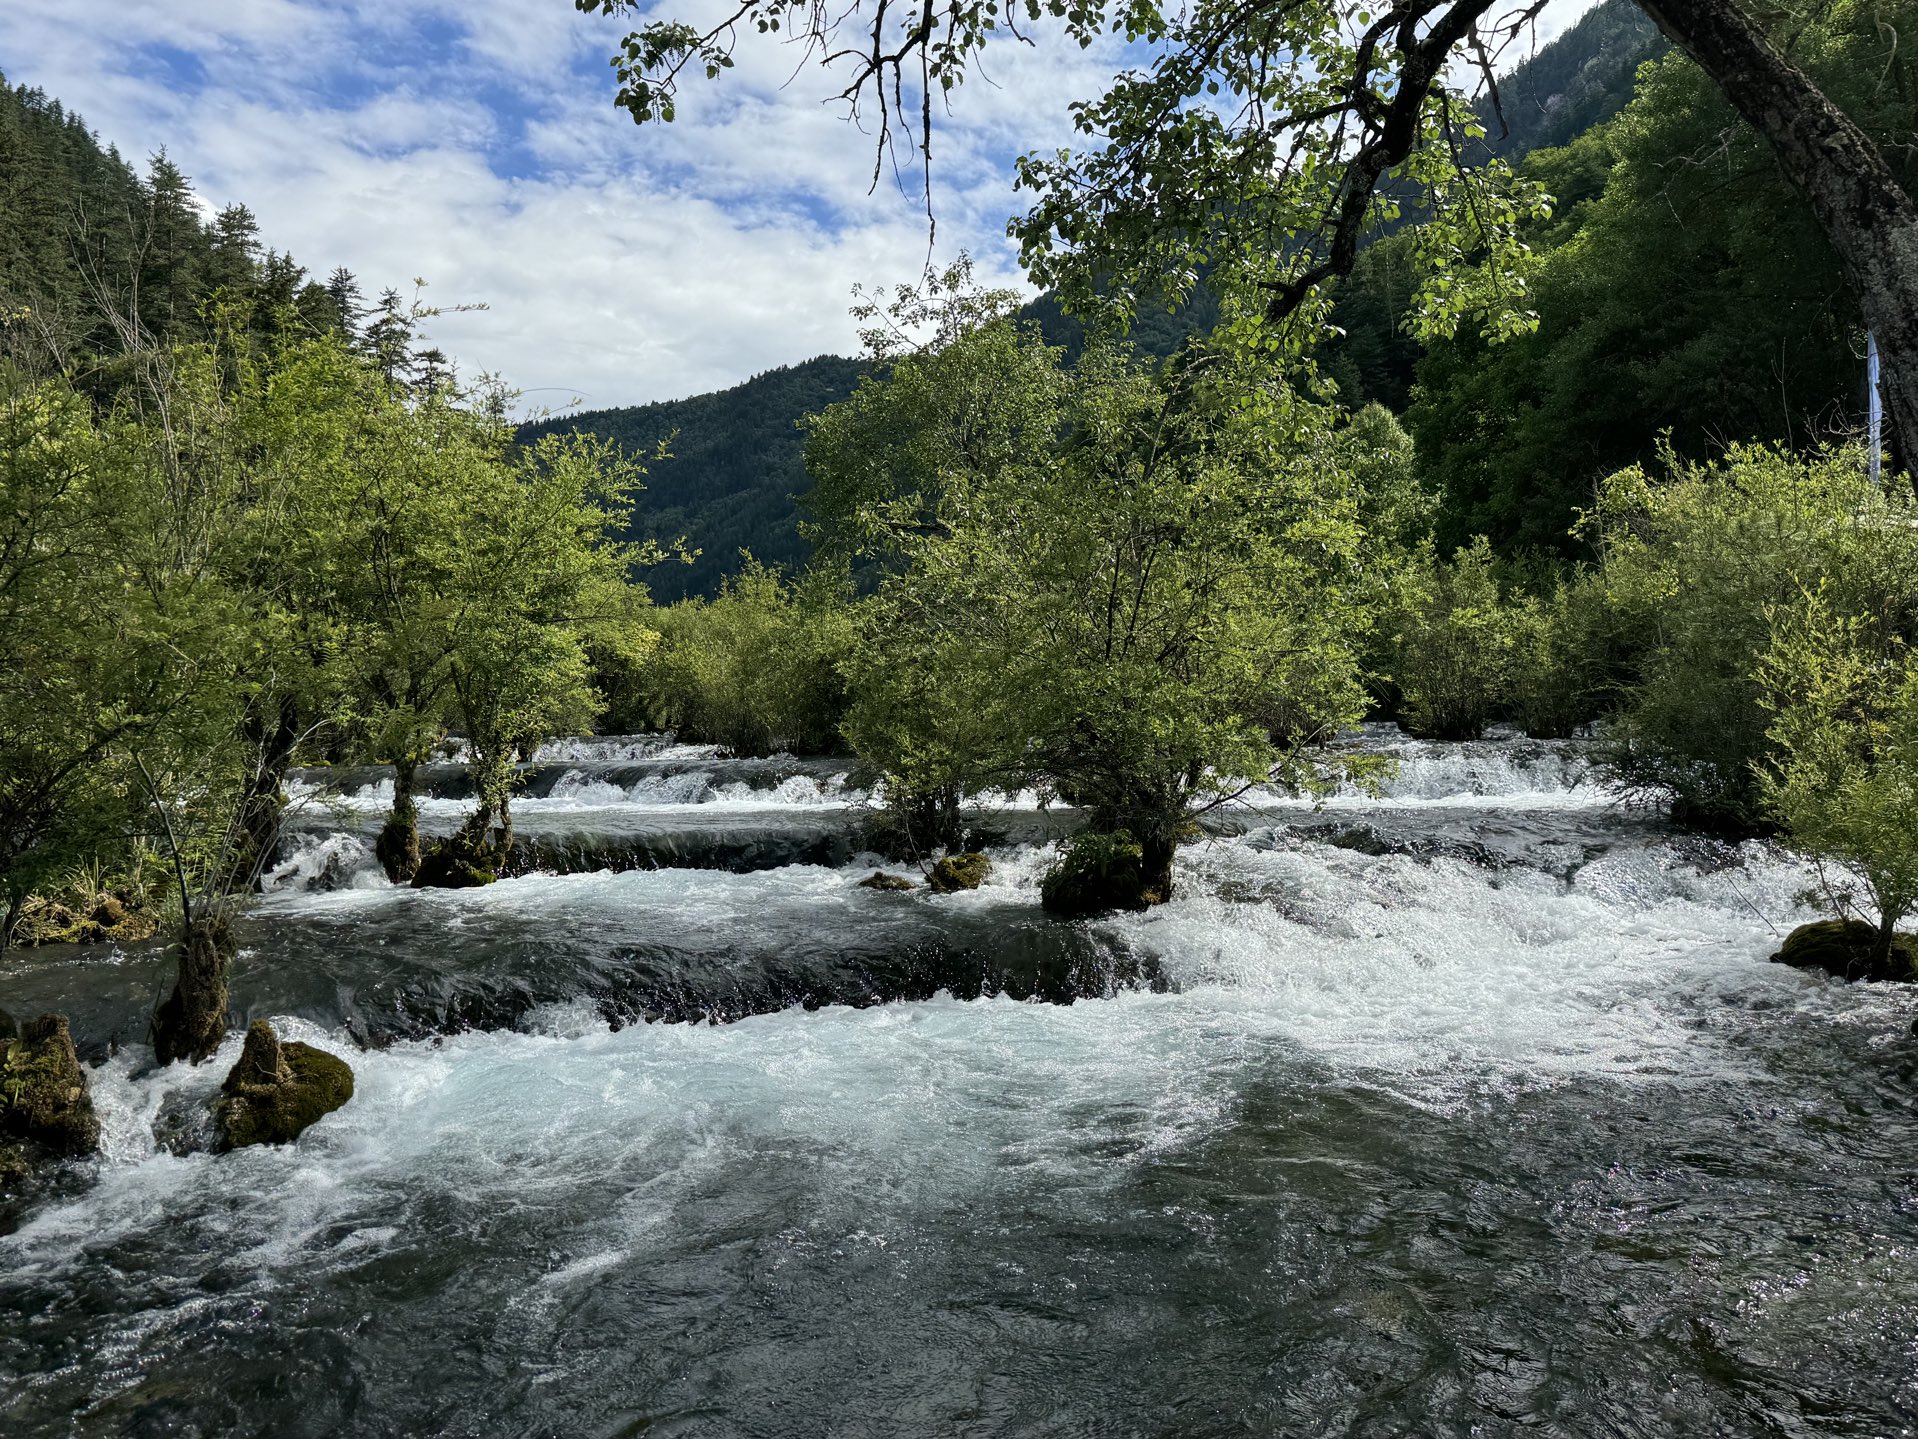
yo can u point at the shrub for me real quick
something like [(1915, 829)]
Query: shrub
[(756, 669), (1454, 643), (1691, 569), (1843, 775), (1098, 873)]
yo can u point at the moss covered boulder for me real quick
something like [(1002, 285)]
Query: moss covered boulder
[(44, 1105), (958, 871), (106, 918), (1848, 949), (879, 879), (1100, 873), (456, 863), (277, 1089)]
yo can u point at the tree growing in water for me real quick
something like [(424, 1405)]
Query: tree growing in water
[(1135, 591), (1843, 778)]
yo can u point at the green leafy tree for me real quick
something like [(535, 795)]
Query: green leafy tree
[(1454, 644), (539, 575), (757, 668), (1135, 591), (1263, 145), (1843, 775), (1691, 564)]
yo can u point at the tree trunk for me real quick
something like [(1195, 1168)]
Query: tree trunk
[(260, 808), (398, 846), (191, 1022), (1866, 215), (1155, 864)]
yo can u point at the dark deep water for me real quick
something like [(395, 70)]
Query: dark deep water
[(1506, 1129)]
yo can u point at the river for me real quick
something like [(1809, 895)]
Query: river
[(1471, 1108)]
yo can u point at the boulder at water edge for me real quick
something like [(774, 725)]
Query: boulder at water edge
[(1099, 873), (958, 871), (1844, 947), (879, 879), (456, 864), (44, 1106), (277, 1089)]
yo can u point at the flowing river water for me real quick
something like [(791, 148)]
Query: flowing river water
[(1473, 1108)]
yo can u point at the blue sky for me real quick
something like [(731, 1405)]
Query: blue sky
[(473, 143)]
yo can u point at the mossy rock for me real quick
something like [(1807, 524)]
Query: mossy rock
[(879, 879), (111, 919), (1844, 947), (15, 1165), (958, 871), (455, 864), (43, 1090), (1097, 874), (277, 1089), (45, 921)]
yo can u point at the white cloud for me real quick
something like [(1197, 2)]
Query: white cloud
[(474, 142)]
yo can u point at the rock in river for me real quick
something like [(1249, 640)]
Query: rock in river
[(277, 1089), (1845, 947)]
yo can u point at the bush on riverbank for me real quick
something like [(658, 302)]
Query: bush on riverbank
[(755, 669), (1693, 566), (1842, 778)]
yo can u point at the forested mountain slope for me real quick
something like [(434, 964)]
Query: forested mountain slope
[(92, 253), (734, 466), (1581, 79)]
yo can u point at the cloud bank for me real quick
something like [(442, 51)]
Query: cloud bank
[(474, 143)]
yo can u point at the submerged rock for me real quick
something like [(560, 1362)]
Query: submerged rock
[(277, 1089), (1099, 873), (1847, 948), (879, 879), (44, 1105), (457, 864), (958, 871)]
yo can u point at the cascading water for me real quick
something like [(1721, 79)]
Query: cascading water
[(1468, 1108)]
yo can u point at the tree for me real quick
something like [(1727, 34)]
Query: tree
[(1454, 644), (1844, 777), (537, 575), (83, 654), (349, 306), (1137, 592), (755, 668), (1692, 563), (1265, 142), (1683, 294)]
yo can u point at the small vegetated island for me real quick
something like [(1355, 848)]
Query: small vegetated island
[(1197, 854)]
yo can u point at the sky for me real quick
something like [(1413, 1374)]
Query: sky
[(474, 144)]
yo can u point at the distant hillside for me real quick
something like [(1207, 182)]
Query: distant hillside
[(734, 469), (1581, 79), (737, 464)]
